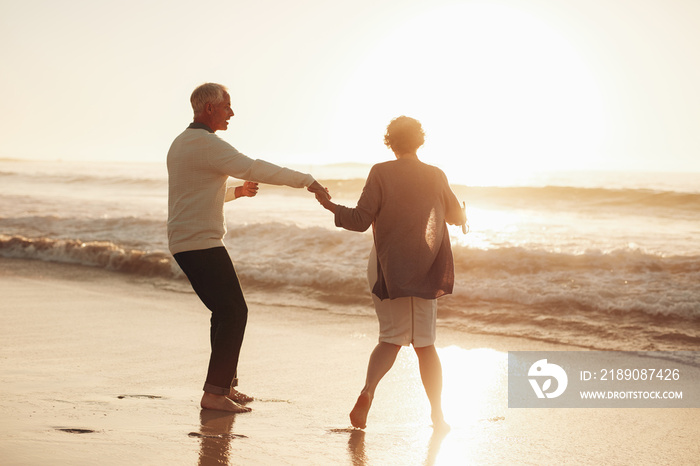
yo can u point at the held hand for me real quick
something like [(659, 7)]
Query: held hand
[(319, 191), (326, 202), (249, 189)]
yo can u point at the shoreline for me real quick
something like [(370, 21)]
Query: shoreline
[(447, 333), (105, 368)]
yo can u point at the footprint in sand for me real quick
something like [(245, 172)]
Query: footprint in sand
[(73, 430), (495, 419), (271, 400), (228, 436), (347, 430)]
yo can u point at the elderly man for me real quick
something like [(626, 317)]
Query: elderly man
[(199, 165)]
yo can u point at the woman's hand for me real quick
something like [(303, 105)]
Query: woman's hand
[(322, 196), (465, 224), (325, 201)]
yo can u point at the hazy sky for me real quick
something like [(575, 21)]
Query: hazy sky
[(510, 85)]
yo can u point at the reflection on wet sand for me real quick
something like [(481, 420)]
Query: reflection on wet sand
[(358, 453), (435, 444), (216, 436), (356, 447)]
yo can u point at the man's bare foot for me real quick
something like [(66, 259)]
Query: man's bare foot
[(221, 403), (358, 415), (239, 397)]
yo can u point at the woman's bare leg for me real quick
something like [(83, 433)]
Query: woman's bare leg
[(380, 362), (431, 376)]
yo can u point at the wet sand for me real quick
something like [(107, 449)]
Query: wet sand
[(100, 368)]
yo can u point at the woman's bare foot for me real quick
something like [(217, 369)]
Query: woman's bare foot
[(239, 397), (439, 423), (358, 415), (221, 403)]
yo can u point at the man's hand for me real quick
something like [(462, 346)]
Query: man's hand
[(319, 191), (249, 189)]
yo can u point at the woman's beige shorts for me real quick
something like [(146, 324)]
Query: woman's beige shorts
[(403, 321)]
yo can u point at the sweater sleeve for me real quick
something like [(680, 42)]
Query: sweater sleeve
[(453, 211), (227, 159), (362, 216)]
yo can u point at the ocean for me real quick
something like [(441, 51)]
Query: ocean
[(606, 261)]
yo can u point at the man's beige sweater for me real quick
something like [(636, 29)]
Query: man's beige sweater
[(199, 164)]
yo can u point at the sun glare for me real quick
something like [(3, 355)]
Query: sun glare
[(472, 389), (499, 92)]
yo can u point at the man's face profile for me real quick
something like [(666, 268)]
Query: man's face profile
[(220, 114)]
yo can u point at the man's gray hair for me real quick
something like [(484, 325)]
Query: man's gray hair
[(207, 93)]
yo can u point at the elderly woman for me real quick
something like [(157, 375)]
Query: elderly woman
[(408, 203)]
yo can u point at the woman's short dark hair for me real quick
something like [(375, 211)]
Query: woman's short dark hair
[(404, 134)]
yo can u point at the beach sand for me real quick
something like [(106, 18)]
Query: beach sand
[(101, 368)]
